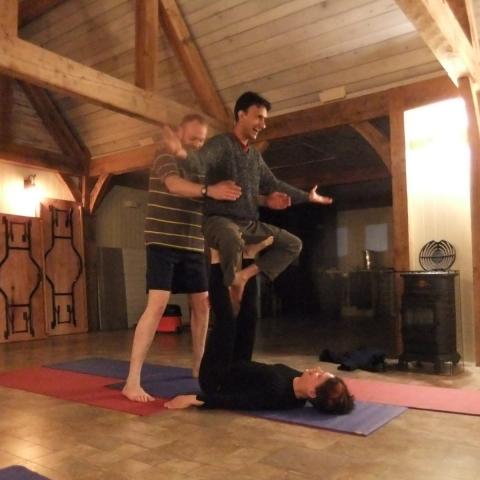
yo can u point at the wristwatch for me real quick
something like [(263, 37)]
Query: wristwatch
[(204, 191)]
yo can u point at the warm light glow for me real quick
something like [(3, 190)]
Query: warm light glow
[(21, 200), (438, 154)]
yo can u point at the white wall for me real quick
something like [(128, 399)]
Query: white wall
[(16, 200), (438, 187), (363, 229)]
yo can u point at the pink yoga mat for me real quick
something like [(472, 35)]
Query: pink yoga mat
[(76, 387), (452, 400)]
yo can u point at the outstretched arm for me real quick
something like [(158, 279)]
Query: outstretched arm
[(225, 190)]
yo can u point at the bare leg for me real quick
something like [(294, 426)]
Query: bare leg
[(144, 334), (243, 276), (199, 325), (253, 249)]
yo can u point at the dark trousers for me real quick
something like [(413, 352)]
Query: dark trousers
[(230, 339)]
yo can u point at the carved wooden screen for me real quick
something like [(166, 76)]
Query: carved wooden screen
[(65, 292), (22, 303)]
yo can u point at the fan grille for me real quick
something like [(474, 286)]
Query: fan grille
[(437, 255)]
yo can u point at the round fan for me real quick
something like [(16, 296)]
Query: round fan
[(437, 255)]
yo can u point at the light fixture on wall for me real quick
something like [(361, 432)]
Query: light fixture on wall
[(29, 181)]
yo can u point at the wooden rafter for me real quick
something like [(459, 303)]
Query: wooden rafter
[(42, 159), (440, 29), (303, 177), (469, 95), (378, 141), (56, 124), (46, 69), (29, 10), (123, 162), (358, 109), (146, 43), (191, 60), (98, 191), (71, 185)]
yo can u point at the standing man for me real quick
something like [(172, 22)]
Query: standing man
[(228, 226), (175, 245)]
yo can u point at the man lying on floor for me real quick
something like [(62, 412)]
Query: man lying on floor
[(230, 380)]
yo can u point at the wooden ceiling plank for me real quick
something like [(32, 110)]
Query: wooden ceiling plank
[(71, 185), (55, 122), (377, 140), (192, 62), (29, 10), (9, 17), (6, 109), (437, 24), (46, 69), (98, 191), (42, 159), (146, 43)]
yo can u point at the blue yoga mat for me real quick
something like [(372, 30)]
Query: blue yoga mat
[(18, 472), (105, 367), (162, 387), (167, 382), (365, 418)]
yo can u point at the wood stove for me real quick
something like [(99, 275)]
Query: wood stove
[(429, 318)]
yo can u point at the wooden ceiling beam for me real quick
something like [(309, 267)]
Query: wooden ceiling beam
[(46, 69), (56, 124), (123, 162), (192, 62), (98, 191), (358, 109), (72, 186), (377, 140), (42, 159), (146, 43), (329, 115), (306, 178), (30, 10), (9, 18), (442, 32)]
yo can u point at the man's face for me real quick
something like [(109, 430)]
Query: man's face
[(192, 135), (252, 122), (312, 378)]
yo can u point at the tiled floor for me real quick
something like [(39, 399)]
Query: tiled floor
[(64, 441)]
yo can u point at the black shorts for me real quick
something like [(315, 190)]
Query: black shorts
[(175, 270)]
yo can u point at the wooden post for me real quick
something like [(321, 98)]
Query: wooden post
[(9, 17), (469, 95), (146, 43), (401, 254)]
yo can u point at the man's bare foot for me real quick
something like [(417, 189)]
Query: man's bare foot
[(252, 249), (137, 394)]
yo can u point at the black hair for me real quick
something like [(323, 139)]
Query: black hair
[(328, 399), (247, 99)]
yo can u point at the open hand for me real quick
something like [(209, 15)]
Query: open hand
[(224, 190), (314, 197)]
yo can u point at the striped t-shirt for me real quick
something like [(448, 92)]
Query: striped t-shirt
[(174, 221)]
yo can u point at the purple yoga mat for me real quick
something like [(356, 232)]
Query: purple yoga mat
[(363, 420), (105, 367), (18, 472)]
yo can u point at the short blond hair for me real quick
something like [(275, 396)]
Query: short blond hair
[(193, 117)]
